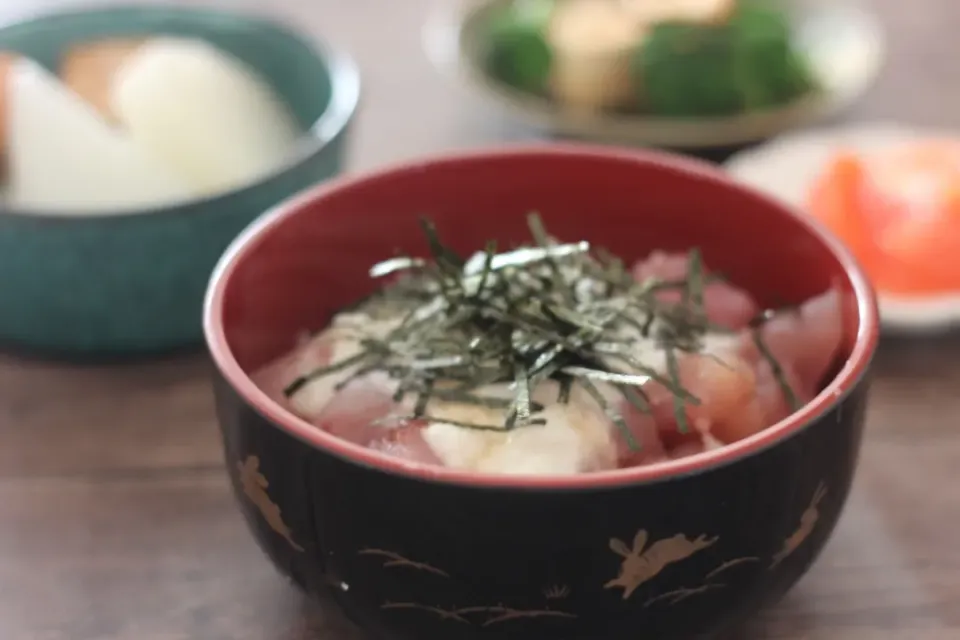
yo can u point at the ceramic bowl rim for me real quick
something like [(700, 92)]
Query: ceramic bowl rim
[(345, 93), (850, 376)]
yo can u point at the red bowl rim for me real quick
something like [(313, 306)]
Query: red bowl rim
[(846, 380)]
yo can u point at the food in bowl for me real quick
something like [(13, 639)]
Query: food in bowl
[(63, 157), (555, 358), (898, 209), (662, 57), (678, 549), (138, 123)]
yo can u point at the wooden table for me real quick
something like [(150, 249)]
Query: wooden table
[(115, 517)]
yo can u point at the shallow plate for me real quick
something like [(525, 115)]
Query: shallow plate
[(845, 45), (785, 168)]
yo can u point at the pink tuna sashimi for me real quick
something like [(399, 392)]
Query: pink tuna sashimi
[(687, 449), (737, 398), (318, 402), (406, 442), (646, 438), (360, 412), (364, 412), (773, 402), (739, 393), (804, 342), (728, 408), (728, 411), (725, 304), (276, 375)]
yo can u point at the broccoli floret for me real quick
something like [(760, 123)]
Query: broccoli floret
[(774, 72), (517, 50), (687, 69)]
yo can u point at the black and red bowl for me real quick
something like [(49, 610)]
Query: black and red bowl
[(672, 550)]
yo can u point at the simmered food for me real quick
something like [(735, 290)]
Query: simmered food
[(132, 123), (203, 112), (899, 212), (64, 157), (555, 359), (670, 57)]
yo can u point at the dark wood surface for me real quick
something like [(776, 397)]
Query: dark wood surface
[(115, 517)]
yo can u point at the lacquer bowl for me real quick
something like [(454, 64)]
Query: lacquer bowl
[(108, 284), (672, 550)]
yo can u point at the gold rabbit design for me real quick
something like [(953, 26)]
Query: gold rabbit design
[(808, 520), (640, 565), (255, 488)]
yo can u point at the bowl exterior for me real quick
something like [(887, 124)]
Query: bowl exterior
[(409, 555), (411, 559), (133, 283)]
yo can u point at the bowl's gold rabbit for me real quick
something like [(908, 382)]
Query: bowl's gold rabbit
[(808, 520), (640, 565)]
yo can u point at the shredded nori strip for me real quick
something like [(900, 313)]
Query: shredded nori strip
[(679, 404), (421, 407), (490, 254), (393, 265), (520, 411), (785, 388), (549, 312), (303, 380), (612, 414)]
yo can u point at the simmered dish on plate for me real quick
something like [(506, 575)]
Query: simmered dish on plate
[(664, 57), (555, 358)]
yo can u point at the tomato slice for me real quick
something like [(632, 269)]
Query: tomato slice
[(923, 252), (835, 200), (899, 212)]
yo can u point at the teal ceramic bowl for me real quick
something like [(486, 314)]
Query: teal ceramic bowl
[(132, 283)]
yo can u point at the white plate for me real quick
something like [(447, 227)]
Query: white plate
[(785, 168), (844, 42)]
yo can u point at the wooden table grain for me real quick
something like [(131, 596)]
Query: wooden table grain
[(116, 522)]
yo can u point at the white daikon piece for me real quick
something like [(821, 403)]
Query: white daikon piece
[(63, 157), (203, 112)]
